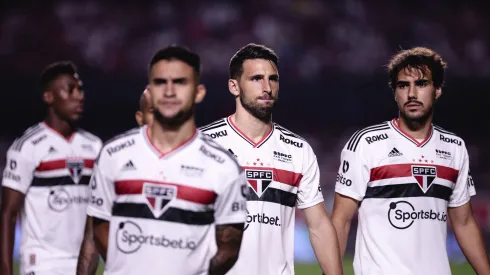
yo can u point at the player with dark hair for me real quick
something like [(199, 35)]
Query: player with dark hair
[(281, 169), (165, 196), (144, 115), (411, 176), (46, 180)]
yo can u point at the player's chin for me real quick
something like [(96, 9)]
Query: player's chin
[(75, 117)]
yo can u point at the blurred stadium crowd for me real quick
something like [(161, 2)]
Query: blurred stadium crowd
[(331, 63)]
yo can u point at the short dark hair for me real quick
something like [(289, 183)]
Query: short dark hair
[(53, 70), (176, 52), (418, 58), (250, 51)]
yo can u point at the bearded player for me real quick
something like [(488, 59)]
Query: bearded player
[(281, 169), (408, 178), (167, 198), (46, 181)]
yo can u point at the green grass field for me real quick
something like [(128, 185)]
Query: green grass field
[(314, 269)]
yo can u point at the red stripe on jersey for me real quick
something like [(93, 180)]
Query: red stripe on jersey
[(405, 170), (188, 193), (61, 164), (279, 175)]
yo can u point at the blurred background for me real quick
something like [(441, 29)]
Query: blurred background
[(332, 57)]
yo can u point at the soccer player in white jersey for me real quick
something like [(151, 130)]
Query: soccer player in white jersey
[(281, 169), (167, 198), (408, 178), (89, 256), (46, 179)]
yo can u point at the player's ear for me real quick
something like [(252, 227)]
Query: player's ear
[(438, 93), (233, 87), (201, 93), (48, 97), (139, 118)]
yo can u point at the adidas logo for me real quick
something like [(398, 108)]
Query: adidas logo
[(129, 166), (51, 150), (394, 153)]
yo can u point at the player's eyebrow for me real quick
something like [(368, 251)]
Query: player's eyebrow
[(421, 81), (402, 82)]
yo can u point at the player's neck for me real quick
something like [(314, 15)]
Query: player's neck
[(167, 139), (254, 128), (61, 126), (416, 129)]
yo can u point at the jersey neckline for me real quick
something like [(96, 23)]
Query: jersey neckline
[(50, 129), (265, 138), (157, 152), (396, 127)]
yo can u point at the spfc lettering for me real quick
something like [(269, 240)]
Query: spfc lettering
[(450, 140), (424, 175), (158, 197), (75, 166), (259, 180)]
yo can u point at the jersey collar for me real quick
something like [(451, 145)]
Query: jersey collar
[(157, 152), (396, 127), (67, 139), (247, 139)]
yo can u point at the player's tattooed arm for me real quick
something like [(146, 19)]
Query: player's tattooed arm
[(88, 259), (228, 240)]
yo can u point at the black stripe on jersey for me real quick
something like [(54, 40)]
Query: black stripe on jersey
[(444, 131), (211, 143), (212, 127), (64, 180), (356, 138), (87, 135), (131, 132), (273, 195), (172, 214), (288, 133), (17, 146), (219, 121), (408, 190)]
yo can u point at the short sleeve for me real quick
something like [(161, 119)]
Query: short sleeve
[(353, 174), (309, 190), (461, 192), (18, 172), (102, 189), (230, 205), (471, 184)]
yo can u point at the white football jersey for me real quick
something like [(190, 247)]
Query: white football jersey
[(53, 172), (405, 187), (282, 173), (163, 208)]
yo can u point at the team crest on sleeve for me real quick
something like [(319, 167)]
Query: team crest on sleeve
[(75, 166), (158, 197), (424, 175), (259, 180)]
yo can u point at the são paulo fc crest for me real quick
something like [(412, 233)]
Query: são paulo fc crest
[(158, 197), (424, 175), (75, 166), (259, 180)]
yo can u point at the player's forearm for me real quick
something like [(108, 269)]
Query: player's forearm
[(325, 244), (7, 235), (471, 242), (228, 240), (88, 259), (100, 235), (342, 228)]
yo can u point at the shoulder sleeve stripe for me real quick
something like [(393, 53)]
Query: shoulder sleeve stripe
[(444, 131), (288, 133), (214, 145), (17, 146), (212, 127), (219, 121), (354, 141), (131, 132)]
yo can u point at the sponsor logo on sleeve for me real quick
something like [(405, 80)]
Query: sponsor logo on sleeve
[(375, 138), (211, 155), (291, 142), (449, 140), (116, 148), (340, 176), (218, 134)]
